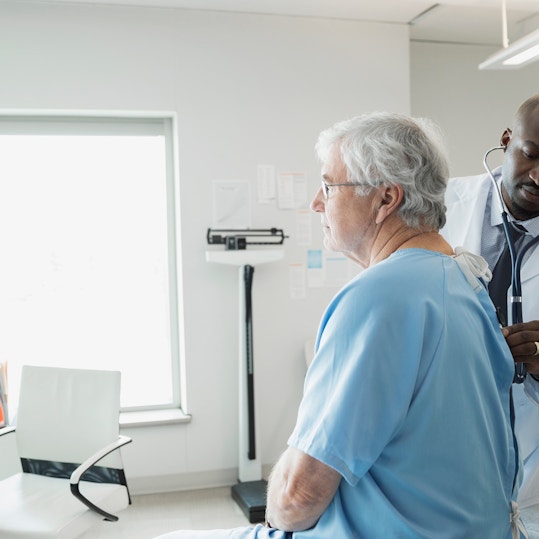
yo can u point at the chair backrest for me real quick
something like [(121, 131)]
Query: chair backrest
[(66, 415)]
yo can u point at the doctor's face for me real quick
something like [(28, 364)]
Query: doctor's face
[(348, 219), (520, 173)]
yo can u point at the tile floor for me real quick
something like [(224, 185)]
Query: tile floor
[(154, 514)]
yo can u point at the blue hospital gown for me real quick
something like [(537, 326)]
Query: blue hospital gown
[(407, 398)]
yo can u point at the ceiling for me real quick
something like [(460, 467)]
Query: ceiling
[(454, 21)]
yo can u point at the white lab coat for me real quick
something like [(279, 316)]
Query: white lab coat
[(466, 199)]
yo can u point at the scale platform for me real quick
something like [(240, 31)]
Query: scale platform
[(251, 498)]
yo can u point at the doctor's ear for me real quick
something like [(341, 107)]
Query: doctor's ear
[(506, 137)]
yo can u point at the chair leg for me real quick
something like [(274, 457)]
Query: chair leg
[(77, 493)]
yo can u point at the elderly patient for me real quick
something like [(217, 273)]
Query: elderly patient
[(404, 429)]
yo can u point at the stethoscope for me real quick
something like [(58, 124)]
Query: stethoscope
[(516, 263)]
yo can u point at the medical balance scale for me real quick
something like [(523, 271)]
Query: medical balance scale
[(250, 491)]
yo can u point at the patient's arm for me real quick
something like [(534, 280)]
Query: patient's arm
[(299, 490)]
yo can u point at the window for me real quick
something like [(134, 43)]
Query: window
[(88, 235)]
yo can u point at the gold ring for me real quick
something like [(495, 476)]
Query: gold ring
[(536, 348)]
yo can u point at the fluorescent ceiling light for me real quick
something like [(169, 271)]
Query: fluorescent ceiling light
[(523, 51)]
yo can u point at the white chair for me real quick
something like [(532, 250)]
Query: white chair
[(67, 421)]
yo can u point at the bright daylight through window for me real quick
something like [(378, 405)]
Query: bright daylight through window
[(88, 240)]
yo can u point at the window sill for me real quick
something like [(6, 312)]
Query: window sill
[(153, 417)]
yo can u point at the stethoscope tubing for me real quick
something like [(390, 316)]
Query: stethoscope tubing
[(516, 264)]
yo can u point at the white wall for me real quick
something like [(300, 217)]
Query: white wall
[(248, 90), (473, 107)]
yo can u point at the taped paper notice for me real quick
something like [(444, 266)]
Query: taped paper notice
[(231, 204), (297, 281), (265, 183), (291, 190)]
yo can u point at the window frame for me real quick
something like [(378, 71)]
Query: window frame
[(40, 121)]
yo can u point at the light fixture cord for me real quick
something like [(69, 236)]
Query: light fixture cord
[(505, 39)]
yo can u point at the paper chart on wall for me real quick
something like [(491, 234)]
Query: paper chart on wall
[(304, 232), (231, 204), (315, 268), (265, 183), (297, 281), (291, 190)]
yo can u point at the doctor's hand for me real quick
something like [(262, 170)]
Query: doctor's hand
[(523, 340)]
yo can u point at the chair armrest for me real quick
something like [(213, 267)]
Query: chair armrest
[(6, 430), (86, 465)]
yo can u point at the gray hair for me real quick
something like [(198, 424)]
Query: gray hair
[(385, 148)]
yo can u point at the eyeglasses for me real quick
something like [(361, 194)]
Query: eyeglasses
[(326, 186)]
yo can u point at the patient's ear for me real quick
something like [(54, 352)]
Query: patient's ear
[(391, 197)]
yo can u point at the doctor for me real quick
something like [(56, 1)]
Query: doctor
[(474, 222)]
